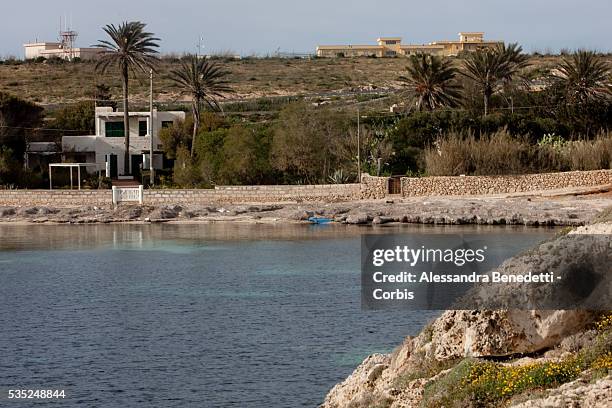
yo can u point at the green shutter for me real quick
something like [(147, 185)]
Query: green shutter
[(114, 129)]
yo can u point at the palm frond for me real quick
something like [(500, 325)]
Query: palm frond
[(583, 77), (431, 81), (204, 81), (129, 46)]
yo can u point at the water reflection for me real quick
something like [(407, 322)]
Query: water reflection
[(160, 236)]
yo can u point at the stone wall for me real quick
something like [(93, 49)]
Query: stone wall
[(224, 194), (373, 188), (481, 185), (370, 188), (256, 194), (57, 198)]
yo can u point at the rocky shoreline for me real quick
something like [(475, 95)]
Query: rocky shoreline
[(491, 358), (522, 210), (429, 361)]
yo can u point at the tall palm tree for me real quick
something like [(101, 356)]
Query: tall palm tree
[(491, 67), (431, 80), (513, 56), (130, 48), (206, 83), (583, 77)]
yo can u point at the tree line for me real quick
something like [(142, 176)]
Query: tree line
[(477, 95)]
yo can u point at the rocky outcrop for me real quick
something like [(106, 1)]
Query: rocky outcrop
[(485, 333), (454, 335), (358, 218), (166, 212), (398, 379), (529, 211)]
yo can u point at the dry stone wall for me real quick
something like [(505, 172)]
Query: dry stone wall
[(256, 194), (371, 188), (223, 194), (59, 198), (482, 185)]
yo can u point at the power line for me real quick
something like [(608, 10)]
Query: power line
[(39, 128), (366, 115)]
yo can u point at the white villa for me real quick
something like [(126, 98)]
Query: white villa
[(59, 50), (108, 144)]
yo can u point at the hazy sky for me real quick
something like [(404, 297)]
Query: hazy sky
[(262, 26)]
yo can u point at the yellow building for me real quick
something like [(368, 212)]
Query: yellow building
[(392, 46)]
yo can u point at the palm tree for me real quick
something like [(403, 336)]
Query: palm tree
[(491, 67), (431, 80), (205, 82), (130, 48), (583, 77)]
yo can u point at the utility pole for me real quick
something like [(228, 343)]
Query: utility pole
[(200, 46), (358, 148), (151, 131)]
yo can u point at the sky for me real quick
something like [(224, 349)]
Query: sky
[(261, 27)]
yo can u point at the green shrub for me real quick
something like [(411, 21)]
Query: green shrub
[(478, 383), (18, 117), (186, 172), (486, 384), (76, 118), (310, 143)]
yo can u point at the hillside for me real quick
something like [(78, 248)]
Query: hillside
[(61, 83)]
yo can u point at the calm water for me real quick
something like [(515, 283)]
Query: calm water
[(193, 315)]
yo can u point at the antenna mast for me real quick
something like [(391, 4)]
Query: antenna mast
[(67, 38)]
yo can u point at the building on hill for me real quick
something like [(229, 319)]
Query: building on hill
[(108, 144), (57, 50), (64, 48), (392, 46)]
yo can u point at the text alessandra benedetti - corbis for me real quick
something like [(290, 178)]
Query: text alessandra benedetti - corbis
[(492, 277)]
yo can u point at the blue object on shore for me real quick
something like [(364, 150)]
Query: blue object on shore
[(319, 220)]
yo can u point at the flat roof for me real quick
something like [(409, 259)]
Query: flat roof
[(40, 43), (336, 47), (471, 32), (422, 46), (466, 42), (72, 164), (52, 50), (132, 113), (120, 113), (89, 49)]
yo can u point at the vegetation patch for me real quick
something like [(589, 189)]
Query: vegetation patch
[(477, 383), (501, 153)]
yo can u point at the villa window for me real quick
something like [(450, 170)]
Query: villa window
[(142, 128), (114, 129), (166, 123)]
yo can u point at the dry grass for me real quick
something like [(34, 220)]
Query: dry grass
[(62, 83), (454, 155), (591, 155), (501, 153), (51, 84)]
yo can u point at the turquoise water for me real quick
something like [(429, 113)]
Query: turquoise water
[(194, 315)]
